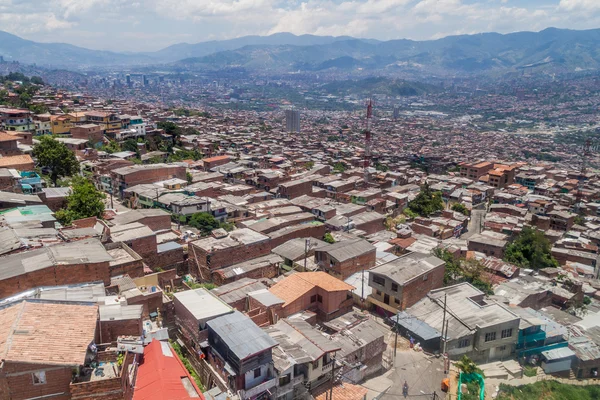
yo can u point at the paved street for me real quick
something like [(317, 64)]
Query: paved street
[(475, 224), (423, 374)]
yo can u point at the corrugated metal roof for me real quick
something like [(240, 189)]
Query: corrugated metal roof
[(417, 327), (348, 249), (202, 304), (557, 354), (241, 335)]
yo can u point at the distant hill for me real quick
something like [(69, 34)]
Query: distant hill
[(552, 49), (14, 48), (556, 49), (379, 85)]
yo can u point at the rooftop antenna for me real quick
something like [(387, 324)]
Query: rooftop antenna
[(587, 150), (367, 162)]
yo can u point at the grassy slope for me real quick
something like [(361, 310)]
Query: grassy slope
[(549, 390)]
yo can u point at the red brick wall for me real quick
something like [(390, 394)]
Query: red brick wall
[(268, 271), (416, 289), (372, 226), (144, 246), (225, 257), (18, 379), (134, 269), (154, 175), (344, 269), (157, 223), (166, 260), (110, 330), (53, 276), (305, 230), (150, 302)]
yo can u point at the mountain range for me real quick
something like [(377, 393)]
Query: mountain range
[(556, 49)]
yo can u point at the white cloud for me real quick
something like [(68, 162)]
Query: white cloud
[(168, 21)]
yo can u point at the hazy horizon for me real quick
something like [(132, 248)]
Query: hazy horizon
[(150, 25)]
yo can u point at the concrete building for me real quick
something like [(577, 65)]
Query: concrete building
[(403, 282), (125, 177), (479, 328), (292, 121)]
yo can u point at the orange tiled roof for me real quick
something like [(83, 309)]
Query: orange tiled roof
[(8, 161), (7, 137), (345, 391), (46, 333), (295, 286)]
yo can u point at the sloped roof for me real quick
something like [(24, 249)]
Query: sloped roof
[(296, 285), (27, 328), (161, 376)]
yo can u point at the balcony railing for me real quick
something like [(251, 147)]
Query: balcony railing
[(256, 390), (327, 367)]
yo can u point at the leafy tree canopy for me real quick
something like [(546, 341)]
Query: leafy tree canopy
[(204, 222), (530, 249), (328, 238), (427, 202), (55, 155), (458, 207), (85, 201)]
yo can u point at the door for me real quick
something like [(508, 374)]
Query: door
[(386, 299)]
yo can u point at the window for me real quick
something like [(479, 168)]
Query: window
[(257, 373), (394, 287), (313, 298), (284, 380), (39, 378), (378, 280), (319, 298), (501, 348), (397, 301), (464, 343), (378, 293), (490, 336), (506, 333), (425, 277)]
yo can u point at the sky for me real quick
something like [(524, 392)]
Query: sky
[(149, 25)]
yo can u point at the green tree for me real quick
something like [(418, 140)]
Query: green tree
[(328, 238), (381, 167), (530, 249), (189, 177), (204, 222), (169, 127), (339, 167), (55, 155), (427, 202), (85, 201), (459, 207), (36, 80)]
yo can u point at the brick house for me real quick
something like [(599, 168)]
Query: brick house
[(154, 218), (488, 245), (342, 259), (9, 144), (216, 161), (119, 320), (401, 283), (193, 309), (319, 292), (125, 177), (38, 363), (475, 171), (261, 267), (236, 341), (209, 254), (66, 263), (295, 188), (90, 132)]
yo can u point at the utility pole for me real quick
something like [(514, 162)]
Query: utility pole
[(443, 325), (332, 378), (306, 244), (362, 287), (396, 339)]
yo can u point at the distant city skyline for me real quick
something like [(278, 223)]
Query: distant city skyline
[(149, 25)]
